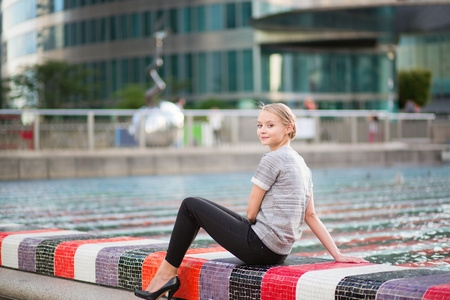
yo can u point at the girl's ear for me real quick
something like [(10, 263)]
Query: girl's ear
[(290, 127)]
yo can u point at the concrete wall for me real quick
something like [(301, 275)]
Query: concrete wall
[(111, 163), (440, 132)]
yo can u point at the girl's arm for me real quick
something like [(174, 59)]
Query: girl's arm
[(254, 203), (324, 236)]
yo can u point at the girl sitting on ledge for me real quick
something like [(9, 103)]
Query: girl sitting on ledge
[(281, 200)]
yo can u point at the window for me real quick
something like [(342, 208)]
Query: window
[(201, 19), (103, 30), (188, 71), (19, 12), (231, 16), (217, 76), (112, 28), (58, 5), (147, 24), (83, 32), (136, 70), (114, 76), (186, 20), (201, 73), (136, 26), (22, 45), (247, 80), (173, 20), (123, 32), (124, 72), (216, 17), (246, 13), (66, 36), (232, 71), (91, 32)]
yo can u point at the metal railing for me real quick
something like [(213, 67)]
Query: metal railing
[(105, 128)]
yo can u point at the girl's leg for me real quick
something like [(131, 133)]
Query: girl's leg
[(184, 232), (229, 229)]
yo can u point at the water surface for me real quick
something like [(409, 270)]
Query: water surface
[(398, 216)]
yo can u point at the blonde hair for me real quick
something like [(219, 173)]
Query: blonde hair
[(284, 113)]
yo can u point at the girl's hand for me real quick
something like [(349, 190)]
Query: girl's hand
[(350, 259)]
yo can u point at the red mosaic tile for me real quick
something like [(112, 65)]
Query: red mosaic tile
[(3, 235), (189, 274), (65, 254), (189, 271), (438, 292), (150, 266), (281, 282)]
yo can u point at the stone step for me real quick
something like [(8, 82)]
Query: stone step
[(129, 263)]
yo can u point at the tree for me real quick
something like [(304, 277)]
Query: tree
[(4, 90), (414, 85), (131, 96), (53, 84)]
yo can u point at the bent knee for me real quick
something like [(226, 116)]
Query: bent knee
[(190, 202)]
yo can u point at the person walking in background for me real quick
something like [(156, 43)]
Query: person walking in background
[(181, 102), (179, 141), (280, 201), (373, 128), (215, 121)]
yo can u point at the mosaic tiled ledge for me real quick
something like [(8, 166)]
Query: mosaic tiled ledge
[(209, 273)]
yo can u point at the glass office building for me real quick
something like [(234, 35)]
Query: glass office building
[(342, 54)]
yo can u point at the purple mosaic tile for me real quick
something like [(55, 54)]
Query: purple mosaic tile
[(410, 288), (214, 281), (27, 251), (107, 262), (27, 254)]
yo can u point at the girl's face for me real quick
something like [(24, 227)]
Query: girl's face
[(271, 131)]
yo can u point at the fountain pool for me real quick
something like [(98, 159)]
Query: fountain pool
[(395, 215)]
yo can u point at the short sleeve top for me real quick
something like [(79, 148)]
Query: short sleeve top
[(286, 178)]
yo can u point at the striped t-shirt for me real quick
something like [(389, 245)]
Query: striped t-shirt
[(286, 178)]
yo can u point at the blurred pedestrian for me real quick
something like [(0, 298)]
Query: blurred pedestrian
[(215, 121), (373, 128)]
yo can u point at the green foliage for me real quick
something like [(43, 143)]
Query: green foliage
[(414, 85), (210, 103), (53, 84), (131, 97), (4, 90)]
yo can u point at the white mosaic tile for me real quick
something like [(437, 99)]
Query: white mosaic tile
[(321, 285), (11, 243)]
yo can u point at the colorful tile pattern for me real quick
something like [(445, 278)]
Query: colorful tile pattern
[(366, 286), (107, 261), (210, 273)]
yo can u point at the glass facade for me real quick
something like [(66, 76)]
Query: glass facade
[(241, 68), (430, 52), (183, 20), (340, 73)]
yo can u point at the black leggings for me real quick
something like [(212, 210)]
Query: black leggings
[(229, 229)]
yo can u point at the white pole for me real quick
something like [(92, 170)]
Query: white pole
[(91, 130), (36, 131)]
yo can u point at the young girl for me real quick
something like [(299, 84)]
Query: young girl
[(280, 201)]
